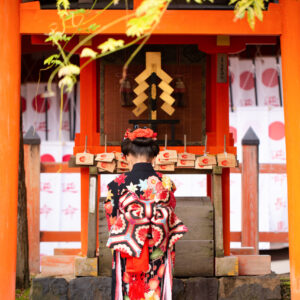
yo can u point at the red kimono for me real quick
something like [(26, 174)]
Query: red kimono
[(143, 230)]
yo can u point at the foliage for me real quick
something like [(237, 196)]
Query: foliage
[(140, 24), (23, 294), (253, 8)]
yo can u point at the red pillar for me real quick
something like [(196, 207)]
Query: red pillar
[(290, 45), (88, 127), (10, 62), (220, 108)]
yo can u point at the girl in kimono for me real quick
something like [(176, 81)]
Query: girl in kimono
[(143, 227)]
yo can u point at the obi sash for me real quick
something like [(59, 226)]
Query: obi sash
[(139, 219)]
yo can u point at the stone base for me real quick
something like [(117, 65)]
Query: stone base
[(249, 287), (86, 266), (226, 266), (254, 264), (200, 288), (57, 265)]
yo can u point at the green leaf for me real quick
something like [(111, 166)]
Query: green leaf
[(50, 59), (78, 11), (258, 11), (63, 4), (93, 27), (157, 253), (251, 17)]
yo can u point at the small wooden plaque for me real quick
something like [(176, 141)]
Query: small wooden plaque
[(165, 167), (168, 154), (105, 157), (84, 159), (226, 160), (106, 166), (120, 156), (161, 161), (122, 165), (200, 167), (206, 160), (185, 163), (186, 156), (122, 170)]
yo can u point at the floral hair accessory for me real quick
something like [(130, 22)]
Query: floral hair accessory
[(140, 133)]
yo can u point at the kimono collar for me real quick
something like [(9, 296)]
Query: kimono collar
[(142, 167)]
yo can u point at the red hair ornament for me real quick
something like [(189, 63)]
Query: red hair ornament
[(140, 133)]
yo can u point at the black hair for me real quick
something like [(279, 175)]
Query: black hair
[(140, 147)]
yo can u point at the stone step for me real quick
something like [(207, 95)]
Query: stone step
[(55, 265), (254, 264), (201, 288)]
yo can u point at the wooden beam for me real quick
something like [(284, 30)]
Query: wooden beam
[(264, 169), (181, 22), (67, 251), (218, 211), (272, 237), (272, 168), (50, 167), (60, 236)]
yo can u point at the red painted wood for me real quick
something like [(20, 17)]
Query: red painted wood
[(220, 104), (88, 127), (264, 169), (250, 197), (63, 168), (272, 237), (60, 236), (181, 22), (57, 168), (290, 43), (67, 251), (10, 80)]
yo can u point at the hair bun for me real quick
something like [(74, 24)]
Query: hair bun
[(142, 141)]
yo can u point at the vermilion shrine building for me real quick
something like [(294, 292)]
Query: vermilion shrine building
[(216, 34)]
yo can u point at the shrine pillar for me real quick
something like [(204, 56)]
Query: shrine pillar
[(10, 66), (219, 123), (88, 128), (290, 45)]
